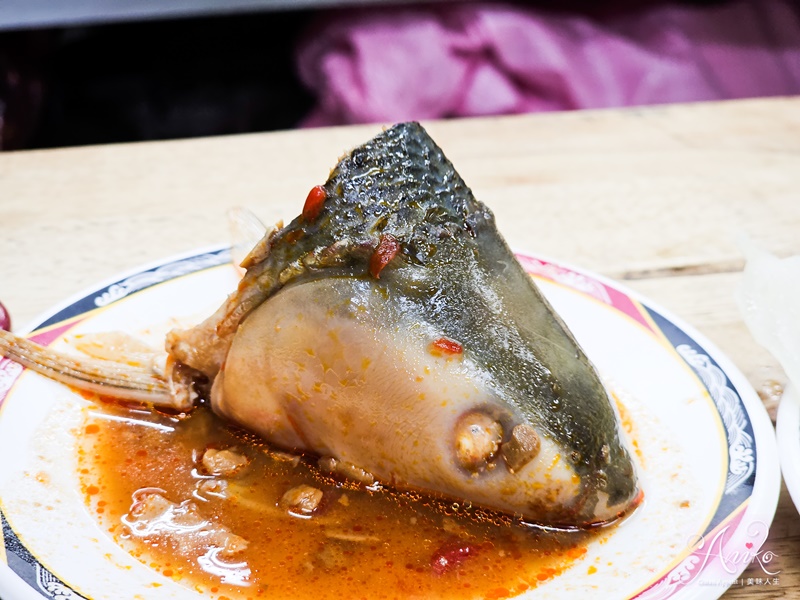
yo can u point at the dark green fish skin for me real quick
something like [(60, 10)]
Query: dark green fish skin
[(454, 270)]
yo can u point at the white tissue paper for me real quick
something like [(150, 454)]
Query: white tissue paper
[(769, 299)]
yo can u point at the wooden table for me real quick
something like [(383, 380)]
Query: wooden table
[(654, 197)]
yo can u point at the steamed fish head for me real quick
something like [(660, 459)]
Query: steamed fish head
[(390, 328)]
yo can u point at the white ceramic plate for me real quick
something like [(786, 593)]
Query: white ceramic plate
[(787, 426), (708, 458)]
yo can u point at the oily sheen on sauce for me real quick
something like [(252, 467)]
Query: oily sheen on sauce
[(360, 542)]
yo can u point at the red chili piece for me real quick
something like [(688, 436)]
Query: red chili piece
[(446, 346), (387, 249), (312, 207), (450, 556)]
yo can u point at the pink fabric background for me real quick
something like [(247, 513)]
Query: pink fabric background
[(452, 60)]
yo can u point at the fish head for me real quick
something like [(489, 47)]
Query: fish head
[(390, 327)]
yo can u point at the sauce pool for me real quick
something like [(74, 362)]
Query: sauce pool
[(359, 542)]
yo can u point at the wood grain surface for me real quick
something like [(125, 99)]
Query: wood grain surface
[(654, 197)]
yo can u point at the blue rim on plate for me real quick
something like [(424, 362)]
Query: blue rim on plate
[(752, 480)]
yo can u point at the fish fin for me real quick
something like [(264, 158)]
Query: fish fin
[(105, 377), (250, 238)]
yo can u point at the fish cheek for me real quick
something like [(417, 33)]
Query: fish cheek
[(305, 373), (302, 372), (251, 388)]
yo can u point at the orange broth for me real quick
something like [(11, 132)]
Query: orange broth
[(359, 543)]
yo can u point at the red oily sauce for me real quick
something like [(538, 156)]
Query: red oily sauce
[(359, 542)]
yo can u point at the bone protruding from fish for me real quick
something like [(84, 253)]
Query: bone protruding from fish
[(522, 448), (478, 437)]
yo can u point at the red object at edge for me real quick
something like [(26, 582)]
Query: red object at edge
[(5, 318)]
